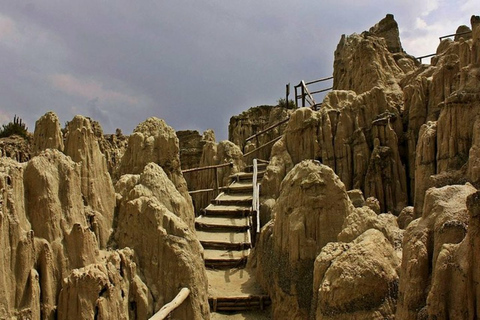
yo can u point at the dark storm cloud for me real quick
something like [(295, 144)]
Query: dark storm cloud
[(192, 63)]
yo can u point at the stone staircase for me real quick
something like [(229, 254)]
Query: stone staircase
[(225, 232)]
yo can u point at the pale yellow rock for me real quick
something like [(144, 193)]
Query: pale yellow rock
[(105, 291), (168, 251), (454, 292), (356, 280), (308, 214), (154, 141), (97, 187), (444, 221), (48, 134)]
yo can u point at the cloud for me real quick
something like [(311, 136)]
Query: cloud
[(7, 27), (89, 89), (193, 63)]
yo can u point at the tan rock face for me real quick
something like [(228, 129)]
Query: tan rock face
[(154, 141), (387, 28), (97, 187), (309, 213), (48, 134), (454, 292), (365, 61), (356, 280), (106, 291), (191, 146), (166, 242), (214, 153), (16, 148), (56, 216), (444, 221), (357, 136), (253, 121)]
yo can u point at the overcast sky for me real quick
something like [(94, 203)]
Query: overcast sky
[(193, 63)]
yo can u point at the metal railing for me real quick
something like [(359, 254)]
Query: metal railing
[(454, 35), (217, 186), (167, 309), (256, 194), (305, 94), (441, 38)]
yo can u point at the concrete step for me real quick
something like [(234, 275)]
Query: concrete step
[(221, 259), (219, 223)]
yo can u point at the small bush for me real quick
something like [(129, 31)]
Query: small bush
[(281, 103), (16, 127)]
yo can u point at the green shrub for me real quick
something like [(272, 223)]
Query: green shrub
[(16, 127), (281, 103)]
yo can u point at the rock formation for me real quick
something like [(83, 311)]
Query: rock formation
[(443, 223), (401, 134), (48, 134), (304, 223), (253, 121), (154, 141), (97, 188), (57, 217), (213, 154), (169, 253), (16, 148), (191, 147)]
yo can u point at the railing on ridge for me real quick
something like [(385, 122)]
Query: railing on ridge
[(256, 135), (166, 310), (305, 94), (256, 194), (217, 186), (441, 38)]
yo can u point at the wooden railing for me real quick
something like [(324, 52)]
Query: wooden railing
[(167, 309), (305, 94), (217, 186), (256, 135)]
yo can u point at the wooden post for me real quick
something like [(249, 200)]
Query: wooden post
[(169, 307), (303, 95), (216, 183), (296, 97), (287, 92)]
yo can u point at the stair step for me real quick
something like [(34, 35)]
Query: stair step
[(233, 199), (239, 303), (229, 210), (222, 223), (240, 187), (218, 259), (224, 240), (260, 166), (246, 176)]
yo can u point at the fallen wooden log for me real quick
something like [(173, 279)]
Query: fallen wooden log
[(172, 305)]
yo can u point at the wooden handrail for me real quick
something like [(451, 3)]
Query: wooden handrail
[(323, 90), (306, 95), (267, 129), (263, 146), (208, 167), (172, 305), (319, 80)]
